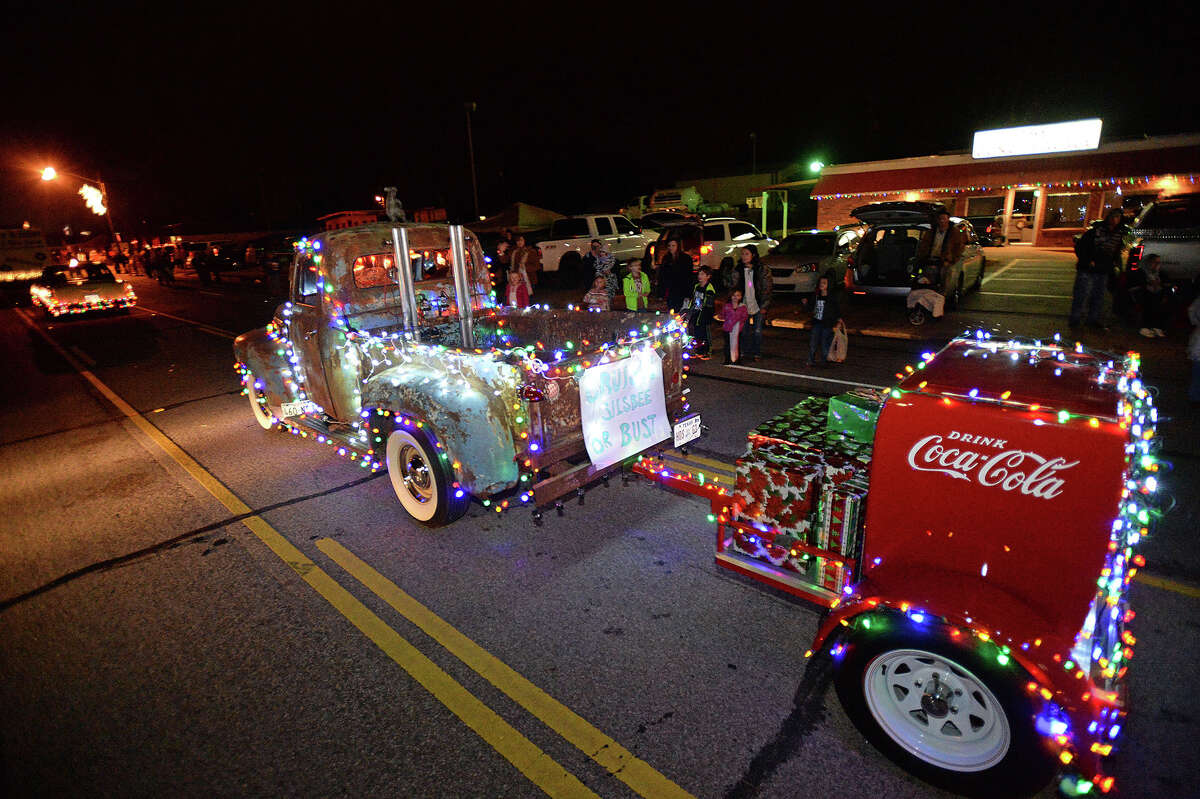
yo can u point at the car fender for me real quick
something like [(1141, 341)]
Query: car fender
[(259, 353), (554, 251), (469, 410)]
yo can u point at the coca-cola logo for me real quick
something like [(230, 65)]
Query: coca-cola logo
[(1006, 468)]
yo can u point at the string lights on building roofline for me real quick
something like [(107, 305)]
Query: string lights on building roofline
[(1116, 182)]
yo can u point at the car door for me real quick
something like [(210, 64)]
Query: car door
[(305, 328), (606, 233), (742, 234), (716, 247), (629, 243)]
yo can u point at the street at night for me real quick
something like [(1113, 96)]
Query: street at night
[(156, 643), (538, 400)]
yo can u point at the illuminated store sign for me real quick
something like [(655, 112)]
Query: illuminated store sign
[(1060, 137)]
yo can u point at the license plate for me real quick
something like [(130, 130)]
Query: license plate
[(298, 408), (687, 430), (91, 298)]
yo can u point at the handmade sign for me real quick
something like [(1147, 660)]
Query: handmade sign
[(623, 407)]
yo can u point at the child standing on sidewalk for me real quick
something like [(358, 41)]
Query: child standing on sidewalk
[(519, 288), (704, 300), (735, 315), (825, 315), (636, 287), (597, 298)]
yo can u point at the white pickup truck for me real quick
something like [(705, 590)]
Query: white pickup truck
[(570, 239)]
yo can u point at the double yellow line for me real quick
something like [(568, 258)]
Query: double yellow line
[(541, 769)]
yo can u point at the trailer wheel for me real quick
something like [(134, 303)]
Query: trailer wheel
[(423, 480), (945, 712)]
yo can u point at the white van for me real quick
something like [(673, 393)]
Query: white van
[(686, 199), (23, 255)]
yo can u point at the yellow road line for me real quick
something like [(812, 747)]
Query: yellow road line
[(1167, 584), (542, 770), (635, 773)]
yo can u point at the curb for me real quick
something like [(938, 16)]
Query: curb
[(877, 332)]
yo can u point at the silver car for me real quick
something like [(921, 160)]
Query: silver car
[(804, 256), (886, 260)]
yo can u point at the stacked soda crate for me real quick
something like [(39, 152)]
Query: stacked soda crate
[(802, 484)]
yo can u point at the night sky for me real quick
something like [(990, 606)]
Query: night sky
[(226, 119)]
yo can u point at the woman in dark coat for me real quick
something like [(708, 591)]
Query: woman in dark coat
[(676, 276)]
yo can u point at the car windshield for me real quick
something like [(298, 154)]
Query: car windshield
[(1172, 214), (78, 275), (807, 244), (688, 234)]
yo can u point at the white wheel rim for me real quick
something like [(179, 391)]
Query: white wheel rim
[(953, 722), (413, 477), (258, 405)]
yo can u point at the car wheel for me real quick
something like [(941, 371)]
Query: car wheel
[(979, 278), (258, 403), (944, 711), (570, 270), (917, 315), (422, 480)]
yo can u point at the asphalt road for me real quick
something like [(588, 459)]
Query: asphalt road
[(160, 637)]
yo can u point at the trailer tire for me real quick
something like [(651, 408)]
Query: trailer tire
[(423, 481), (970, 730)]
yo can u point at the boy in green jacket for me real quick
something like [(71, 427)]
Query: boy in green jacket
[(636, 286)]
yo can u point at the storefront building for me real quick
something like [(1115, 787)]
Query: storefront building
[(1043, 200)]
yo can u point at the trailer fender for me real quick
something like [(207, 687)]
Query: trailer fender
[(469, 411), (1033, 660)]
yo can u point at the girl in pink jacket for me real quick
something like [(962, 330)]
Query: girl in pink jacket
[(735, 316)]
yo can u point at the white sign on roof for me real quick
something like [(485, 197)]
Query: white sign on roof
[(1060, 137)]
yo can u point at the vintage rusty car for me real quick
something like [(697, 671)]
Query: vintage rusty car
[(391, 349)]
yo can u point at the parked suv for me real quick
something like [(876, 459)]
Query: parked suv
[(1169, 229), (886, 258), (711, 242), (804, 256)]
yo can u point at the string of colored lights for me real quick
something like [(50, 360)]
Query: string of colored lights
[(1116, 182)]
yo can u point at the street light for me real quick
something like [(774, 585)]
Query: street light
[(815, 166), (96, 200)]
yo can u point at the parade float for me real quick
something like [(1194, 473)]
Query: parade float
[(972, 532), (393, 351)]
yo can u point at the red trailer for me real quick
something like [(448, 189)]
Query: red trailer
[(973, 533)]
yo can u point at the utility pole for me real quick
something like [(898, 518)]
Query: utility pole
[(471, 151)]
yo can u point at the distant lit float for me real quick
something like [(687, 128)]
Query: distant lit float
[(78, 288)]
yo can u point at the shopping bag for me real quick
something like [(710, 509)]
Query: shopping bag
[(837, 349)]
